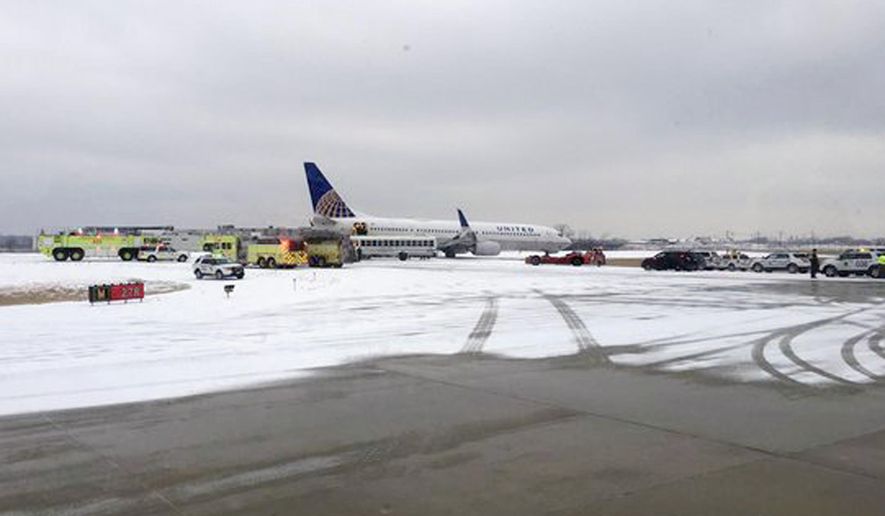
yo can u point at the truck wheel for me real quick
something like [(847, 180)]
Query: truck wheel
[(311, 261), (577, 262), (126, 255), (321, 262), (403, 256), (271, 263), (757, 267), (152, 258), (731, 267), (198, 273), (536, 260), (182, 258), (60, 255), (219, 275), (77, 255), (830, 271), (875, 271), (792, 268), (262, 263), (450, 254), (646, 266)]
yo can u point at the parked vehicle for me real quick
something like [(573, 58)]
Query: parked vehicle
[(674, 260), (402, 247), (324, 252), (573, 258), (852, 262), (276, 252), (223, 245), (218, 267), (784, 261), (161, 253), (77, 246), (711, 259), (734, 261)]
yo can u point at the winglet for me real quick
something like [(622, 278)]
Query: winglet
[(463, 220)]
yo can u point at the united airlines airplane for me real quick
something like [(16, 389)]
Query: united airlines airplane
[(452, 237)]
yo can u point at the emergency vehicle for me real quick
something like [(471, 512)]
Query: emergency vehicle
[(77, 246), (324, 252), (734, 260), (276, 252), (858, 262), (161, 252), (222, 245)]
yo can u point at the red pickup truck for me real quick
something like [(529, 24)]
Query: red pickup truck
[(596, 257)]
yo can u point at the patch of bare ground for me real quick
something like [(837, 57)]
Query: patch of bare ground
[(42, 293)]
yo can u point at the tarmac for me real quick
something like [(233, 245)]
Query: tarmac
[(463, 434)]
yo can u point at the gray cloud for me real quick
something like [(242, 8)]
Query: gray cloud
[(619, 117)]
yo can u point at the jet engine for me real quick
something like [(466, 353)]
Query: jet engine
[(487, 248)]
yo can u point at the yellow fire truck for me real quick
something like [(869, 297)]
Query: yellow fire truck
[(222, 245), (76, 246), (276, 252)]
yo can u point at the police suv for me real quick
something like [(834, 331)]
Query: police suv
[(218, 267), (852, 262), (790, 262)]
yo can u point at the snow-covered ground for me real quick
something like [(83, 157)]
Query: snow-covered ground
[(280, 324)]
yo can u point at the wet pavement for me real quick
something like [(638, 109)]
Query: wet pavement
[(761, 398), (461, 434)]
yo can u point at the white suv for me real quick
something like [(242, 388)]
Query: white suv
[(790, 262), (712, 260), (161, 253), (219, 268), (852, 262), (734, 261)]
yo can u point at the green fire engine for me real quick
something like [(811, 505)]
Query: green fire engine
[(76, 246)]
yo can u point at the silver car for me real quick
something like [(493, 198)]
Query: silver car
[(790, 262)]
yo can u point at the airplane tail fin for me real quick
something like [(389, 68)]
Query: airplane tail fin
[(325, 199)]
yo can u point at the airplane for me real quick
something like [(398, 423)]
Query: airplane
[(479, 238)]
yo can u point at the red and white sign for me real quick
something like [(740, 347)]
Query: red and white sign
[(127, 291)]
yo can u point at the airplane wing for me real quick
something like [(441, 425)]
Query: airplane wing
[(462, 242)]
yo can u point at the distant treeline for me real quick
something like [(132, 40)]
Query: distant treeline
[(837, 241), (16, 243)]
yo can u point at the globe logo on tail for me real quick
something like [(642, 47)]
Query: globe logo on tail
[(330, 205)]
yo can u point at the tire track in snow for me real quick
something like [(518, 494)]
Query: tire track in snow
[(851, 359), (787, 335), (875, 344), (483, 329), (786, 347), (583, 338)]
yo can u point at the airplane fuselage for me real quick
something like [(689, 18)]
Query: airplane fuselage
[(509, 236)]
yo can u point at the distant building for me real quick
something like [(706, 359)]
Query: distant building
[(16, 243)]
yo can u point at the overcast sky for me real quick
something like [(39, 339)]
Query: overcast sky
[(638, 119)]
